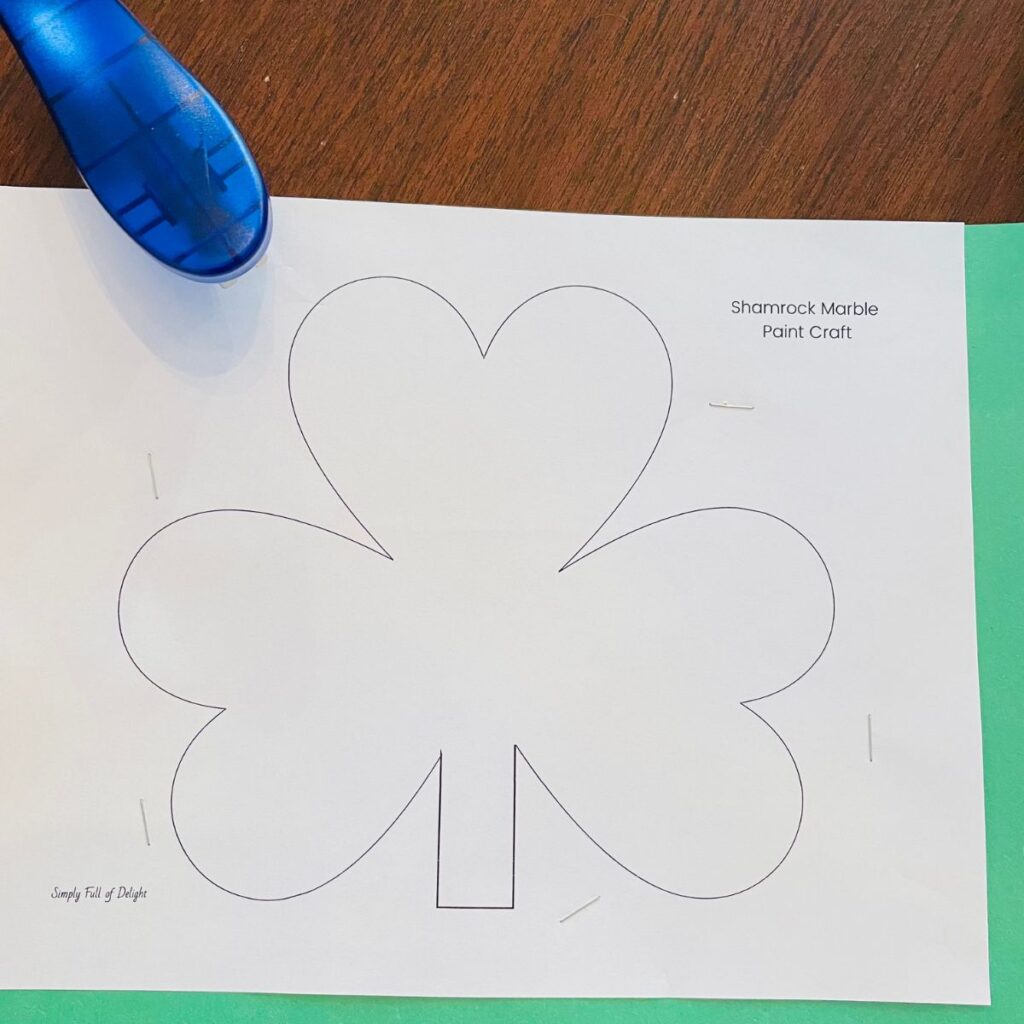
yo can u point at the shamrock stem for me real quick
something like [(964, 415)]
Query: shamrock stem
[(476, 825)]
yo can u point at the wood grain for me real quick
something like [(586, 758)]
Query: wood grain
[(775, 108)]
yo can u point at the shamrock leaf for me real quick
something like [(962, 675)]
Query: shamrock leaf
[(486, 626)]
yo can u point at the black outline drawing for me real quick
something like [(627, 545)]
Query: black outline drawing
[(580, 553)]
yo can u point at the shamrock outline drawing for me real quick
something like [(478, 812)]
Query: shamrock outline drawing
[(582, 553)]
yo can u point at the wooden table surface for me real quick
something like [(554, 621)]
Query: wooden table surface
[(778, 108)]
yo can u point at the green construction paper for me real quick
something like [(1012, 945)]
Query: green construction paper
[(995, 317)]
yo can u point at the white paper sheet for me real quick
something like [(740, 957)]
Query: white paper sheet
[(458, 570)]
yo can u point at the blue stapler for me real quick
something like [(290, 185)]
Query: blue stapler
[(154, 146)]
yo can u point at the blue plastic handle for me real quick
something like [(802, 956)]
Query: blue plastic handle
[(153, 145)]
